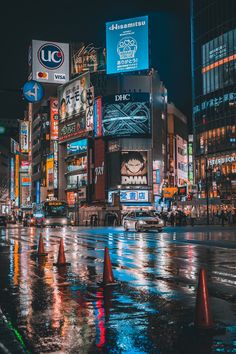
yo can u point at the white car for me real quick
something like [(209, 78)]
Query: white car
[(142, 221)]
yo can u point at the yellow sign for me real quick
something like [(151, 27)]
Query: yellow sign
[(169, 192)]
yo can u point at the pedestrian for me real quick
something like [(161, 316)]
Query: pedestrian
[(223, 217), (230, 217), (193, 216), (172, 218)]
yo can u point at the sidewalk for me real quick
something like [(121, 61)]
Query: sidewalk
[(9, 344), (200, 228)]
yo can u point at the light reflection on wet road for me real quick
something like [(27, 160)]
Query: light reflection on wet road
[(65, 310)]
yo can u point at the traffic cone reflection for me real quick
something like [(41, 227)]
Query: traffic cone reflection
[(41, 251), (61, 260), (203, 317), (108, 278)]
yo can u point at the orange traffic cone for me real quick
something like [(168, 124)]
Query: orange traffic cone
[(41, 251), (61, 260), (108, 278), (203, 317)]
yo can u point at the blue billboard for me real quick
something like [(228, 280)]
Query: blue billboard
[(127, 45), (77, 147)]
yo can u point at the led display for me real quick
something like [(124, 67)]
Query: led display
[(76, 147), (126, 115), (127, 45)]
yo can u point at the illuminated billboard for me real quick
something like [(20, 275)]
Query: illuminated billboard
[(24, 136), (49, 61), (53, 118), (17, 182), (76, 101), (87, 58), (127, 196), (50, 171), (134, 168), (97, 117), (99, 170), (126, 115), (76, 147), (12, 180), (219, 62), (127, 45)]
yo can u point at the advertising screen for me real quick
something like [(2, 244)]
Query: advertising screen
[(77, 147), (219, 62), (127, 45), (53, 118), (76, 101), (126, 115), (70, 196), (134, 168), (50, 171), (50, 61), (87, 58), (77, 164), (24, 137)]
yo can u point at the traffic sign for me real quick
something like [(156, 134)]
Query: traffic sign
[(2, 129), (33, 91)]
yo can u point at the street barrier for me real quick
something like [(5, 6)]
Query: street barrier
[(203, 316), (61, 260), (41, 251), (108, 278)]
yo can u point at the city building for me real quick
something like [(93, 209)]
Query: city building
[(8, 163), (214, 97), (112, 150), (177, 147)]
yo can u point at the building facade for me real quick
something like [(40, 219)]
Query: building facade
[(177, 133), (214, 96)]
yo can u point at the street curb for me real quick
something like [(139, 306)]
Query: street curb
[(9, 344)]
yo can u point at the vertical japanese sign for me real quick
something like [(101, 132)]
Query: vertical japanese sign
[(49, 171), (24, 136), (17, 170), (12, 181), (55, 165), (98, 117), (53, 118), (37, 192), (99, 172)]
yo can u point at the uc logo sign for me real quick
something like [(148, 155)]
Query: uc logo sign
[(50, 56)]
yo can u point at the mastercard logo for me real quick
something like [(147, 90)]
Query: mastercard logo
[(42, 75)]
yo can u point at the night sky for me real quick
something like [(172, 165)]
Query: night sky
[(84, 21)]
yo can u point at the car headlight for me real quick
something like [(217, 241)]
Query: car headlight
[(161, 222), (141, 222)]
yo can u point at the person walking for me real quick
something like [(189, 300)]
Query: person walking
[(223, 217), (193, 216)]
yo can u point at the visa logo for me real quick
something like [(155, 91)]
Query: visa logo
[(60, 77)]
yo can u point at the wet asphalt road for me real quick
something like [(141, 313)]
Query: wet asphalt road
[(65, 310)]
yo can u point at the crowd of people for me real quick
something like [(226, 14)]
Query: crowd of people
[(179, 217)]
